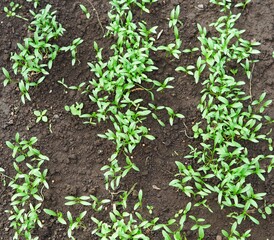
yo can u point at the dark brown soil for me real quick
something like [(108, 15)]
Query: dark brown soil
[(76, 152)]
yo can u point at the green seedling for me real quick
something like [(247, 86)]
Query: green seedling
[(234, 71), (78, 88), (75, 109), (234, 234), (199, 226), (132, 225), (3, 176), (41, 116), (187, 70), (35, 2), (58, 215), (11, 10), (74, 223), (174, 228), (85, 11), (243, 4), (73, 49), (29, 63), (142, 4), (266, 210), (96, 204), (171, 49), (174, 48), (174, 17), (7, 79), (191, 50), (150, 209), (224, 4), (124, 225)]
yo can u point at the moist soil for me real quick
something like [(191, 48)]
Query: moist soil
[(75, 151)]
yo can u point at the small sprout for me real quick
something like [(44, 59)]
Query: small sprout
[(11, 11), (150, 209), (75, 109), (174, 17), (35, 2), (243, 4), (41, 116), (58, 215), (7, 79), (85, 11)]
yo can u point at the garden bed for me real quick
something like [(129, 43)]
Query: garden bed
[(76, 154)]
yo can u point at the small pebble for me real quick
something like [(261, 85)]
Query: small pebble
[(219, 237), (144, 173), (100, 152), (201, 6)]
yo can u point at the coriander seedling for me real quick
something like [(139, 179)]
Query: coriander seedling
[(243, 4), (7, 79), (11, 11), (57, 214), (224, 4), (41, 116), (85, 11), (35, 2), (199, 226)]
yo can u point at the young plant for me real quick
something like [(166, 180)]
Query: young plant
[(73, 49), (243, 4), (174, 48), (35, 2), (224, 4), (75, 109), (85, 11), (191, 50), (199, 226), (3, 176), (11, 10), (96, 204), (41, 116), (132, 225), (7, 79), (57, 214), (74, 223), (142, 4), (234, 234)]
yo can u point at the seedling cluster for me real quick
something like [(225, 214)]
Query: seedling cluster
[(230, 119), (27, 186), (114, 88), (38, 52)]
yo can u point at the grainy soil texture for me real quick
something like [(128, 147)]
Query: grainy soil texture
[(76, 153)]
